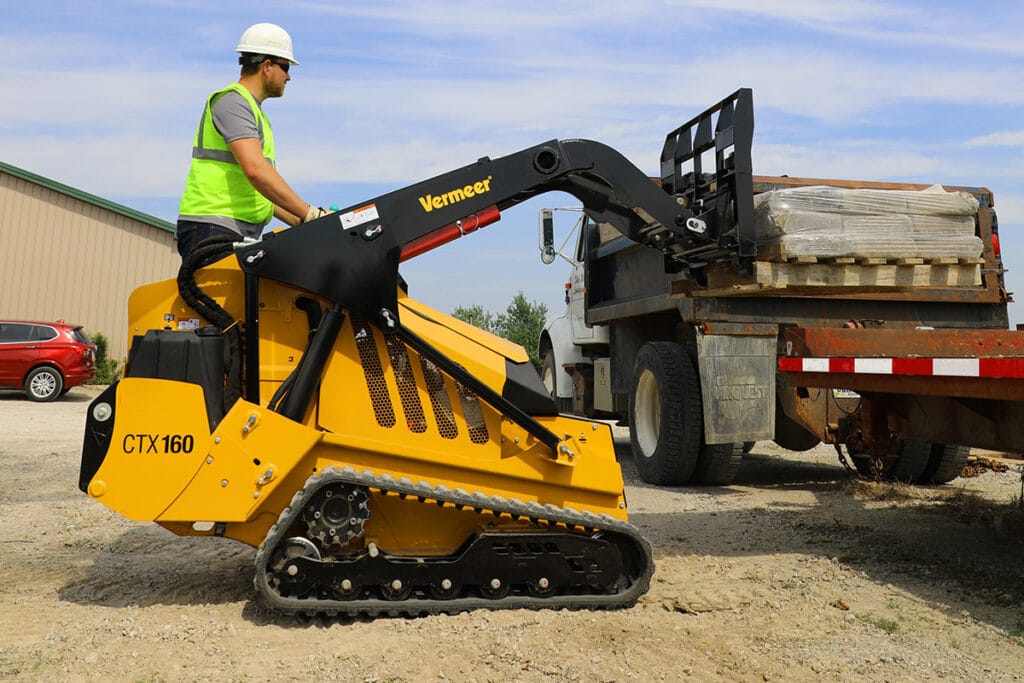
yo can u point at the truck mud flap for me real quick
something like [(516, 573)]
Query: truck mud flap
[(737, 381)]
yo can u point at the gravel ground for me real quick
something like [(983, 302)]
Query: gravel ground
[(795, 572)]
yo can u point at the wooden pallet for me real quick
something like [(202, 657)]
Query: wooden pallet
[(816, 275), (777, 253)]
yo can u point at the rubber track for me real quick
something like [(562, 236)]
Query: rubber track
[(550, 514)]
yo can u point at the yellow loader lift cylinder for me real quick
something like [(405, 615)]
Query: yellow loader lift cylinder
[(381, 456)]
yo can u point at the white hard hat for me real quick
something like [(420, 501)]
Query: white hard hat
[(266, 39)]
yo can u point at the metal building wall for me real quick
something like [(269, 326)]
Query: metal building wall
[(64, 258)]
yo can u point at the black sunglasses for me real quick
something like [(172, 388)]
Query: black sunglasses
[(284, 65)]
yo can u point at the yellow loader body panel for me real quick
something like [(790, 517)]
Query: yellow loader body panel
[(425, 469)]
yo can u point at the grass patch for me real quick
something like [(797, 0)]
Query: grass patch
[(1005, 516), (885, 491), (882, 623)]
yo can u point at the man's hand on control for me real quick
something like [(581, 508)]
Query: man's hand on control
[(313, 213)]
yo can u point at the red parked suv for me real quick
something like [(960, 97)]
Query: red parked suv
[(44, 359)]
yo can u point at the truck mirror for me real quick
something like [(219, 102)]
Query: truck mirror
[(547, 236)]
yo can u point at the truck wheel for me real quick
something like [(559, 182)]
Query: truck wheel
[(666, 420), (549, 377), (945, 464), (912, 462), (907, 467), (717, 465)]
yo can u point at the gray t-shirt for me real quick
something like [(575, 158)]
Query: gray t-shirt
[(233, 117)]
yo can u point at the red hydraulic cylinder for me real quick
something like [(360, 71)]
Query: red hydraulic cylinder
[(452, 231)]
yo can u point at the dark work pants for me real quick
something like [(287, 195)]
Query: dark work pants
[(191, 233)]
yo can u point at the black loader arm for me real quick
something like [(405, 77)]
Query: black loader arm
[(351, 257)]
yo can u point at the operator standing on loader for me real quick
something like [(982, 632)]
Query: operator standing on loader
[(233, 187)]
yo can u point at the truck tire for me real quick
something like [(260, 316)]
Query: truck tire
[(907, 467), (946, 463), (913, 461), (666, 418), (549, 376), (717, 464)]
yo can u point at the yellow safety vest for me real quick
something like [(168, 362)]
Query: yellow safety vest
[(216, 185)]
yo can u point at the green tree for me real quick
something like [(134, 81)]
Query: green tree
[(107, 371), (476, 316), (521, 322)]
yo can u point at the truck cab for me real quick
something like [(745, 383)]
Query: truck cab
[(568, 344)]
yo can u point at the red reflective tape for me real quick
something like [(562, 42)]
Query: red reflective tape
[(1001, 367), (912, 366), (845, 365), (787, 364), (1009, 368)]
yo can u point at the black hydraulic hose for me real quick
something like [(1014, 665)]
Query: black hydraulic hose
[(209, 251), (285, 387), (311, 367), (313, 316)]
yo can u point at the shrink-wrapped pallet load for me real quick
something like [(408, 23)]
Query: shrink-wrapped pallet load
[(831, 222)]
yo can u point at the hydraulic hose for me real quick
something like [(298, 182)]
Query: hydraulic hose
[(209, 251)]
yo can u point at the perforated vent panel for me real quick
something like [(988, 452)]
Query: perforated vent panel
[(373, 371), (414, 377), (474, 415), (406, 381), (439, 401)]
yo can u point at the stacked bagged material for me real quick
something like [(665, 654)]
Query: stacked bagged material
[(827, 222)]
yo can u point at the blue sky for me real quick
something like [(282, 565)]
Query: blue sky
[(105, 96)]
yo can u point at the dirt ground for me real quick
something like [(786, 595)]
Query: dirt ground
[(796, 572)]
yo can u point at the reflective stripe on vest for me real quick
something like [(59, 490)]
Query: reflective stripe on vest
[(217, 188)]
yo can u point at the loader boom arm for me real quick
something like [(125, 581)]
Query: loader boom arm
[(351, 257)]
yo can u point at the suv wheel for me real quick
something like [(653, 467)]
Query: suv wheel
[(44, 384)]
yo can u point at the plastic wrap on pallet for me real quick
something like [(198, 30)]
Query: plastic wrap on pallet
[(835, 222), (934, 201)]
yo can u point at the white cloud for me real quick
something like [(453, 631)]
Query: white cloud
[(1000, 139), (907, 24)]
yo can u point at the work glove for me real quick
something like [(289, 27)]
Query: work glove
[(314, 213)]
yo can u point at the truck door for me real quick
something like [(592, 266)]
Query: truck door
[(576, 294)]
